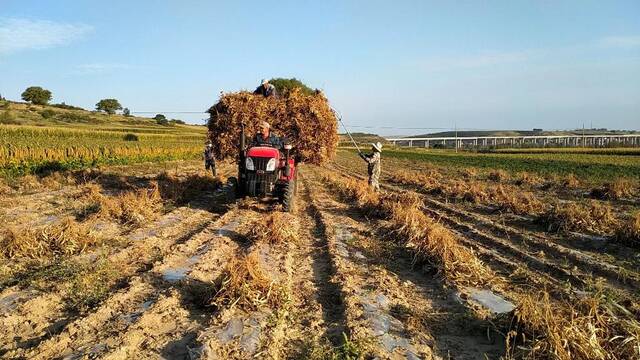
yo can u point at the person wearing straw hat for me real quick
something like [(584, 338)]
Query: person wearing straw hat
[(266, 89), (373, 165), (209, 158), (266, 137)]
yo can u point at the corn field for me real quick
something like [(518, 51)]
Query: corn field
[(26, 150)]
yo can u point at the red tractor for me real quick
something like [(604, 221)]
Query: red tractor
[(266, 171)]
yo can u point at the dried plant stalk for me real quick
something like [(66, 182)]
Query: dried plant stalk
[(306, 120)]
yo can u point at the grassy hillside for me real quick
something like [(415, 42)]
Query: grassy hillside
[(35, 139)]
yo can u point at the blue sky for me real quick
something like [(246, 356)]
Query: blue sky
[(389, 67)]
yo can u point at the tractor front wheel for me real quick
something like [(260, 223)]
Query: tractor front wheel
[(288, 196)]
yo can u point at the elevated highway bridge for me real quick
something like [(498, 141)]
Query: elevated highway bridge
[(521, 141)]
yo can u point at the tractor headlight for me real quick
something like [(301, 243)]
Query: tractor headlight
[(271, 165), (248, 164)]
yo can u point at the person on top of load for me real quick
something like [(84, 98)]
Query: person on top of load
[(266, 137), (209, 158), (373, 165), (266, 89)]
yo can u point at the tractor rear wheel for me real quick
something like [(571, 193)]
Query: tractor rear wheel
[(288, 196)]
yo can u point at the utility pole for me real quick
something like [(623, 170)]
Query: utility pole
[(583, 143), (455, 125)]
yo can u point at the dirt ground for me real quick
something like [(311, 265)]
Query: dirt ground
[(342, 289)]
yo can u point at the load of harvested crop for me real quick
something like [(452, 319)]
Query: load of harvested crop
[(307, 121)]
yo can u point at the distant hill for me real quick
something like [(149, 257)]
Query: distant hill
[(360, 138), (65, 116)]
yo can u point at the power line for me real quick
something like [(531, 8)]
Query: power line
[(347, 124), (168, 112), (399, 128)]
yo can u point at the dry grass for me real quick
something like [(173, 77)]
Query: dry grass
[(618, 189), (506, 197), (28, 183), (365, 199), (244, 283), (4, 187), (132, 207), (182, 189), (629, 231), (92, 284), (592, 216), (57, 180), (527, 178), (498, 175), (570, 181), (276, 228), (517, 202), (583, 329), (472, 191), (64, 238), (429, 239), (437, 245), (469, 173)]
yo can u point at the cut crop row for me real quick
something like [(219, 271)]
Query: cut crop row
[(596, 326)]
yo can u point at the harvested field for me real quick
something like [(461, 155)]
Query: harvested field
[(153, 261)]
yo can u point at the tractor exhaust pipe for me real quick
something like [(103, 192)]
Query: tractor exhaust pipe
[(241, 152), (242, 138)]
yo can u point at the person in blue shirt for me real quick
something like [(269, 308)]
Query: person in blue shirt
[(266, 137), (266, 89)]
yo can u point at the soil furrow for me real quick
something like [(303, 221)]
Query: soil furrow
[(49, 313), (543, 254), (393, 309), (165, 308)]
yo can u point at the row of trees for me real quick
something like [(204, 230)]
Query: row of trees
[(40, 96)]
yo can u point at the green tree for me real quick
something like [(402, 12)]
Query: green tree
[(161, 119), (110, 106), (283, 85), (36, 95), (126, 112)]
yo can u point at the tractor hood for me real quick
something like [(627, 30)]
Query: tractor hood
[(263, 152)]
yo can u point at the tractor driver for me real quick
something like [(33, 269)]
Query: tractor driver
[(266, 137)]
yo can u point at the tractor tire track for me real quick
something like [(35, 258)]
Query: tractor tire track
[(237, 333)]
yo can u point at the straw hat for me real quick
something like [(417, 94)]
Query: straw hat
[(265, 81), (377, 146)]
